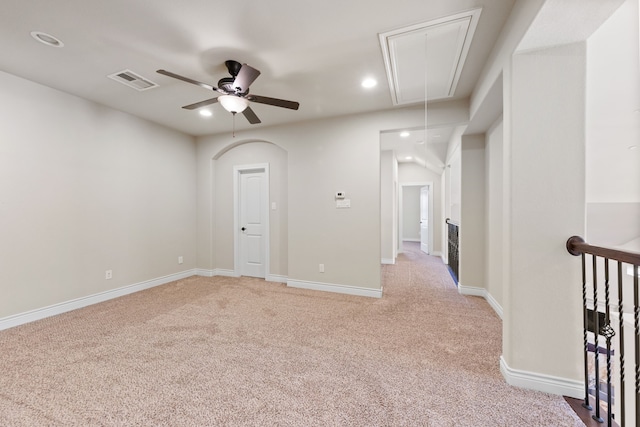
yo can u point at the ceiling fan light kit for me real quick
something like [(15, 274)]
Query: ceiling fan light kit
[(234, 91), (233, 104)]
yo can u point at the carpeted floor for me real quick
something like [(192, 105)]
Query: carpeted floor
[(244, 352)]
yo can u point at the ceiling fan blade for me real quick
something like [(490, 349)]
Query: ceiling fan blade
[(274, 101), (187, 79), (201, 104), (245, 77), (251, 116)]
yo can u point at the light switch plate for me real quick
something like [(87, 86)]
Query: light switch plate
[(341, 204)]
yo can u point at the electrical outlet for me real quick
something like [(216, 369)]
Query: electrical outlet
[(108, 274), (321, 268), (180, 260)]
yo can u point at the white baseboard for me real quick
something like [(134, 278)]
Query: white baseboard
[(63, 307), (481, 292), (407, 239), (276, 278), (437, 253), (388, 261), (230, 273), (204, 272), (471, 290), (541, 382), (224, 272), (330, 287), (494, 304)]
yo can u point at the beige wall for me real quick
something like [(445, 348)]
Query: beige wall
[(546, 116), (246, 154), (455, 184), (411, 213), (83, 189), (323, 157), (494, 206), (388, 206), (613, 125), (472, 214)]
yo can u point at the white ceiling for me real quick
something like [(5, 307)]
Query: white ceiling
[(411, 145), (316, 53)]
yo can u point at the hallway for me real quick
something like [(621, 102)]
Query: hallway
[(462, 336)]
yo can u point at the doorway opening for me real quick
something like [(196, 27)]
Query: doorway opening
[(416, 215)]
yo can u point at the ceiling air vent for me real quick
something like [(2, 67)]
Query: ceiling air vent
[(131, 79)]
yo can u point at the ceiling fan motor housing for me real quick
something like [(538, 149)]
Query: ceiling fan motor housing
[(233, 67), (226, 84)]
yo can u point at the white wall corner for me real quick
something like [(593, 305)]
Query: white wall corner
[(331, 287), (276, 278), (388, 261), (53, 310), (541, 382)]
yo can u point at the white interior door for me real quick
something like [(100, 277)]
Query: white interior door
[(424, 219), (252, 222)]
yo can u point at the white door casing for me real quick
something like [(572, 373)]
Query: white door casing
[(251, 220), (424, 219)]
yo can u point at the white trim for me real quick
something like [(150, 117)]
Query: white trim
[(224, 272), (471, 290), (237, 170), (388, 261), (481, 292), (437, 253), (204, 272), (541, 382), (494, 304), (407, 239), (276, 278), (330, 287), (74, 304)]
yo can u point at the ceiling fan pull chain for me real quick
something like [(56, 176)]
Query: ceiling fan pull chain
[(233, 132)]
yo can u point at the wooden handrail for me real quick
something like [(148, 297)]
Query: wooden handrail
[(448, 221), (577, 246)]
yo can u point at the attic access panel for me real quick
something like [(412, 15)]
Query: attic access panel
[(442, 43)]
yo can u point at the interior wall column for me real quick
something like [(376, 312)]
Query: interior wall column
[(545, 156)]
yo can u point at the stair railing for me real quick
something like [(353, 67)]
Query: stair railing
[(598, 321), (453, 248)]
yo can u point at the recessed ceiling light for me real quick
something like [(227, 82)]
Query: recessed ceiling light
[(404, 134), (632, 147), (47, 39), (408, 158), (369, 82), (206, 113)]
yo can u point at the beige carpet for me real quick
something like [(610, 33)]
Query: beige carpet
[(234, 352)]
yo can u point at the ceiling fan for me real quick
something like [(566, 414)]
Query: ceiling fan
[(234, 91)]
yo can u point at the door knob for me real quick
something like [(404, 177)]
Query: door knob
[(243, 228)]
